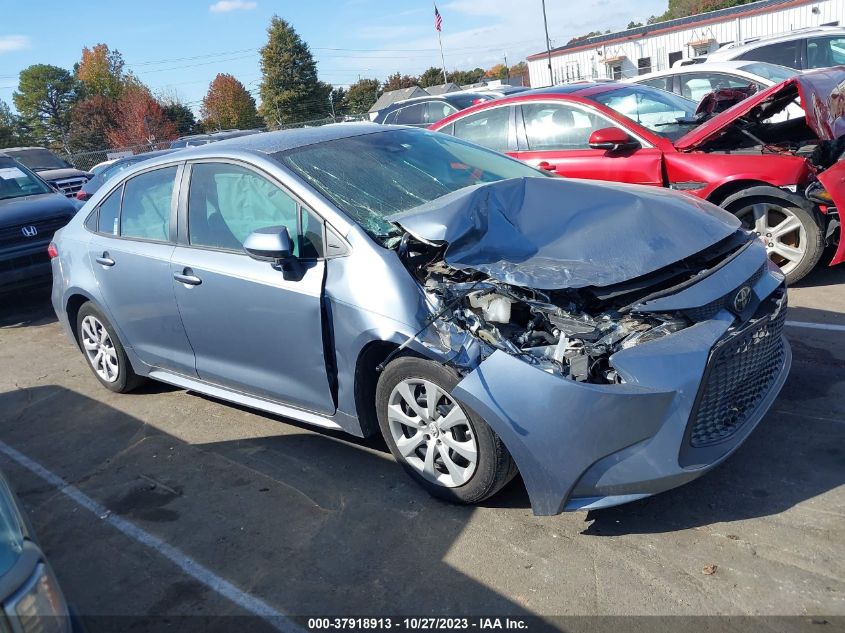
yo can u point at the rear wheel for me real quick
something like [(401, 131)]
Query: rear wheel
[(103, 351), (792, 236), (445, 447)]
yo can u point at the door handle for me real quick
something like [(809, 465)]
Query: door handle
[(546, 166), (105, 260), (187, 277)]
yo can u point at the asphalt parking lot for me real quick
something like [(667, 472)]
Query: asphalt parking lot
[(182, 505)]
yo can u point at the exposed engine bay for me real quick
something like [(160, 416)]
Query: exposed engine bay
[(569, 332)]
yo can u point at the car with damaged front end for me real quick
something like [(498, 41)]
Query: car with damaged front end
[(607, 342)]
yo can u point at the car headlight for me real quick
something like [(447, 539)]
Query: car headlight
[(39, 607)]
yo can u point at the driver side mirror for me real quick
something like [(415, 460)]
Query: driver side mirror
[(612, 139), (270, 244)]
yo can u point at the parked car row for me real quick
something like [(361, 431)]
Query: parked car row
[(750, 160), (57, 172)]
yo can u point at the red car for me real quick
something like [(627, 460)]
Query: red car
[(764, 172)]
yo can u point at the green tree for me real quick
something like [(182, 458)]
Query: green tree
[(13, 131), (228, 105), (362, 95), (290, 89), (633, 25), (431, 77), (398, 81), (181, 116), (45, 98), (338, 101), (101, 72), (465, 77)]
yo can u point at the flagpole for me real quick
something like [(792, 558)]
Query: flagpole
[(440, 41)]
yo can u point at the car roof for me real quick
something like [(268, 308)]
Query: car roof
[(731, 50), (728, 64), (272, 142), (21, 149), (578, 89), (446, 96)]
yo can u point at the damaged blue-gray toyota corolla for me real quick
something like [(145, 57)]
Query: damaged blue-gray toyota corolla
[(607, 342)]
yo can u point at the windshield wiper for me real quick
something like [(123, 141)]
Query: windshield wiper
[(680, 121)]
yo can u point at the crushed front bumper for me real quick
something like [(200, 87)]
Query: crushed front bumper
[(688, 401)]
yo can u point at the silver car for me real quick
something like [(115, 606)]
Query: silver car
[(607, 342)]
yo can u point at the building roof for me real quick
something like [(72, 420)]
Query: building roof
[(443, 88), (397, 95), (761, 6)]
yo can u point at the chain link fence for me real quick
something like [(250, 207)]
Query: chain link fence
[(87, 160)]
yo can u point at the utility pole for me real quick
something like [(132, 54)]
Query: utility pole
[(548, 45), (507, 70), (440, 41)]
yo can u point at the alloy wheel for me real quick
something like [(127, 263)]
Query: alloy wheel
[(99, 349), (780, 230), (432, 432)]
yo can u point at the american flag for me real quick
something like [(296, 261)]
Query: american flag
[(438, 21)]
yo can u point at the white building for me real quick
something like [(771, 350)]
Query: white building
[(657, 46)]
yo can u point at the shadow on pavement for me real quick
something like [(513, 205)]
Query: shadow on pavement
[(309, 523), (22, 308)]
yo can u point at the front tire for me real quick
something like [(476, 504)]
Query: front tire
[(791, 233), (104, 351), (444, 446)]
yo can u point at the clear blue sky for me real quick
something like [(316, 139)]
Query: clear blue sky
[(180, 45)]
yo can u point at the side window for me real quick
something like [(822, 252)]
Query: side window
[(488, 128), (109, 212), (437, 110), (147, 200), (782, 53), (228, 202), (696, 85), (555, 126), (664, 83), (390, 117), (411, 115), (825, 51)]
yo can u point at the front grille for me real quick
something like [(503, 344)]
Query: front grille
[(17, 263), (69, 186), (44, 229), (709, 310), (740, 373)]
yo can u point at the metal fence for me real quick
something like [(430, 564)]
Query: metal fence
[(86, 160)]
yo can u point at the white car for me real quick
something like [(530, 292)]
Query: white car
[(697, 80), (802, 49)]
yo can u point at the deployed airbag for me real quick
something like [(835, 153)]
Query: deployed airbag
[(552, 233)]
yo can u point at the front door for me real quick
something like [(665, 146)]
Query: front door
[(253, 327), (556, 138), (130, 256)]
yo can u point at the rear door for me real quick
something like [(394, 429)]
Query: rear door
[(554, 135), (253, 327), (130, 255), (492, 128)]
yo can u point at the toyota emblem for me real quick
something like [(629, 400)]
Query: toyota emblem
[(29, 231), (741, 298)]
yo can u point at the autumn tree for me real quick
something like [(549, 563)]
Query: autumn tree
[(139, 119), (228, 105), (101, 72), (290, 89), (362, 95), (91, 122), (44, 99), (398, 81)]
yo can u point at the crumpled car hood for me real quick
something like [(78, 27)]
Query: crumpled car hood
[(554, 233), (821, 94)]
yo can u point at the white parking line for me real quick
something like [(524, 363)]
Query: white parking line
[(817, 326), (191, 567)]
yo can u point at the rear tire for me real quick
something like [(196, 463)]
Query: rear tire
[(445, 447), (791, 232), (103, 351)]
